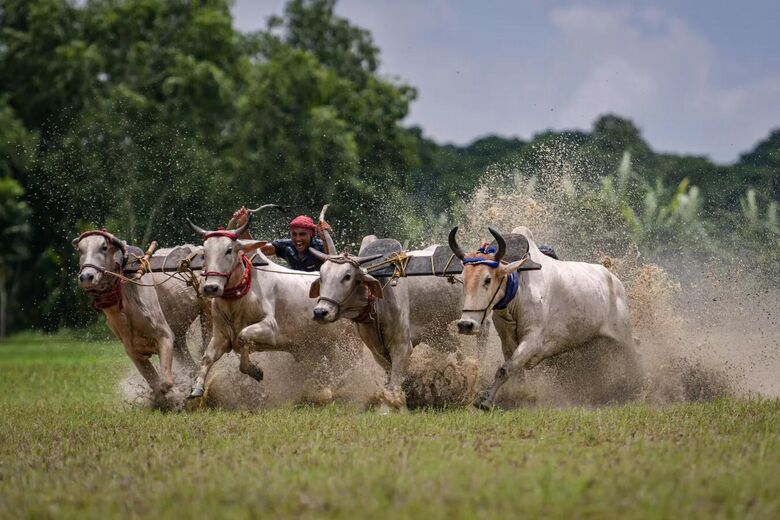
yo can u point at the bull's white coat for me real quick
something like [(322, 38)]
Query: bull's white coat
[(273, 316), (559, 307), (414, 310), (152, 320)]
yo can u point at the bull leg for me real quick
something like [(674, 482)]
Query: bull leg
[(165, 351), (205, 327), (256, 337), (146, 369), (218, 346), (399, 355), (526, 355)]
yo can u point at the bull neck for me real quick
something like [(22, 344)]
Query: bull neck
[(237, 275)]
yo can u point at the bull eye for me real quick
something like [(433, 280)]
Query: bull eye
[(487, 281), (347, 277), (105, 247), (229, 251)]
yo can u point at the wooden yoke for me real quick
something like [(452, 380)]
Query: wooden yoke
[(145, 261)]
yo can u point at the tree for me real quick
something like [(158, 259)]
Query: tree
[(14, 230)]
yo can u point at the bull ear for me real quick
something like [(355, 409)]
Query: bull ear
[(314, 290), (520, 265), (75, 241), (373, 285), (250, 245)]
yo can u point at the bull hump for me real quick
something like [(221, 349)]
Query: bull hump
[(384, 246), (516, 246)]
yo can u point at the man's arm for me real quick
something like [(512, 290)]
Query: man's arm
[(240, 216), (239, 219)]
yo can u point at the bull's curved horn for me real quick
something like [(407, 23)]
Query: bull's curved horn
[(319, 255), (331, 246), (501, 244), (266, 206), (364, 259), (456, 249), (197, 230)]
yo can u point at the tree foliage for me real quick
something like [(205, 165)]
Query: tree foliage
[(137, 113)]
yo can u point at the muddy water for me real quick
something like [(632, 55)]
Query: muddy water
[(703, 329)]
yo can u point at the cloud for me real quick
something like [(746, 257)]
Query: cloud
[(651, 66), (517, 68)]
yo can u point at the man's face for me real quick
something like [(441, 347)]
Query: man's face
[(301, 238)]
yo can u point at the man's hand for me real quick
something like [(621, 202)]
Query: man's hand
[(323, 226), (239, 218)]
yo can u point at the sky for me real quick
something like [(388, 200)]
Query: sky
[(697, 77)]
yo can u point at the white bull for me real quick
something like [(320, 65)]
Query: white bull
[(147, 320), (255, 310), (562, 306), (390, 320)]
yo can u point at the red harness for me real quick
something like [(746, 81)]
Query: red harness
[(220, 233), (368, 314), (102, 300), (240, 290)]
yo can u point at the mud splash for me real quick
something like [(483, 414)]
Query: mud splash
[(705, 328)]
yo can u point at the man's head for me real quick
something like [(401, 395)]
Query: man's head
[(302, 230)]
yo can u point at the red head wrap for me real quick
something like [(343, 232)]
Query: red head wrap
[(304, 222)]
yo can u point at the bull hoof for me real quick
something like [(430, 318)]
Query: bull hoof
[(196, 392), (482, 403), (257, 375)]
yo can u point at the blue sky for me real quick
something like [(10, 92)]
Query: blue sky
[(698, 77)]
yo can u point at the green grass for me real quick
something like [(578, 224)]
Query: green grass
[(69, 448)]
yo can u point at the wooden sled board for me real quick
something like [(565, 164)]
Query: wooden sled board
[(436, 260), (168, 260)]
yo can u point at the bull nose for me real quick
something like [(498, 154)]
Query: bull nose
[(86, 277), (210, 290), (465, 326), (319, 314)]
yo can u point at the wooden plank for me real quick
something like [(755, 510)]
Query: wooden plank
[(168, 261), (439, 261)]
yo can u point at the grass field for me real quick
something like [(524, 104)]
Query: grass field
[(69, 448)]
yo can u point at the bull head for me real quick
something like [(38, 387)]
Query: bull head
[(222, 256), (97, 250), (336, 288)]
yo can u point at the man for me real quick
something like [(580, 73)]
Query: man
[(294, 250)]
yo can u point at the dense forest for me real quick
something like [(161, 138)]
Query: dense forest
[(135, 114)]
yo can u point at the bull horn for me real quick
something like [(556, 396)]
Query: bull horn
[(319, 255), (330, 245), (363, 259), (266, 206), (456, 249), (197, 230), (501, 244)]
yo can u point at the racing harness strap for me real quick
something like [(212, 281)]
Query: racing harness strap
[(240, 290)]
